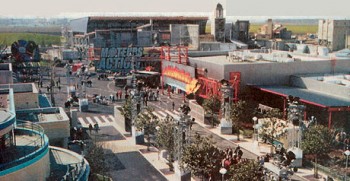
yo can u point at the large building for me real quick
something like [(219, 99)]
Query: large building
[(332, 33), (275, 75), (118, 31)]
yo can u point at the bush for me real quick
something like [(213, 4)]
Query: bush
[(247, 133)]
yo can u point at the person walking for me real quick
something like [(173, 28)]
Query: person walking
[(173, 106), (90, 128), (96, 127), (120, 94)]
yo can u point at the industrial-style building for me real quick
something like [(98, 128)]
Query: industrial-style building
[(333, 33), (275, 75), (29, 125), (238, 31), (88, 35), (122, 31), (273, 31)]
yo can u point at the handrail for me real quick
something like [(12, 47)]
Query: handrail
[(18, 154), (74, 171)]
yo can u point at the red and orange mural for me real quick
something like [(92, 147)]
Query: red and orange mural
[(182, 76)]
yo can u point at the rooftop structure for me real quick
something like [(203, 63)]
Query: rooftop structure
[(6, 73), (333, 33)]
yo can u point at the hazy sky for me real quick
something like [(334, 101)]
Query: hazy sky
[(234, 8)]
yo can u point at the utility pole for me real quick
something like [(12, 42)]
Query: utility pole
[(138, 136), (52, 83)]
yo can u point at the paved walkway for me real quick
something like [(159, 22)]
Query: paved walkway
[(152, 156), (261, 150)]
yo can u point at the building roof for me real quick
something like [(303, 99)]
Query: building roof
[(307, 96), (20, 87), (224, 60), (157, 18)]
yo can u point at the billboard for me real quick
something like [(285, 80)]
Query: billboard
[(120, 59), (178, 75)]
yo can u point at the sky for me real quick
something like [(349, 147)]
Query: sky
[(52, 8)]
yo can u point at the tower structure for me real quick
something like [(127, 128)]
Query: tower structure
[(218, 23)]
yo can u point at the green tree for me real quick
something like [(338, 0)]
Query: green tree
[(201, 157), (241, 112), (96, 158), (147, 122), (126, 111), (245, 170), (165, 138), (271, 126), (317, 141), (212, 107)]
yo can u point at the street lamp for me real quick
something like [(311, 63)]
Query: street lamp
[(347, 153), (256, 134), (223, 171)]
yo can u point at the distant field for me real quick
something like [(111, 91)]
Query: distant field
[(296, 29), (40, 39)]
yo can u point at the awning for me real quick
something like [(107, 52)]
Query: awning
[(147, 72), (306, 96)]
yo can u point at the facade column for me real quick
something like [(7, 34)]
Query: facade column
[(284, 108), (329, 119)]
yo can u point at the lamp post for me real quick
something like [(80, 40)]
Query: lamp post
[(347, 153), (256, 127), (52, 82), (181, 137), (226, 101), (182, 130), (136, 104), (223, 171), (296, 116)]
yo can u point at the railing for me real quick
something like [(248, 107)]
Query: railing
[(33, 147), (74, 171), (328, 171)]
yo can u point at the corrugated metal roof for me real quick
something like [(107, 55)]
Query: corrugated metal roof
[(308, 96), (162, 18)]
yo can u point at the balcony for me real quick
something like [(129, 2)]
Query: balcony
[(67, 165), (31, 144)]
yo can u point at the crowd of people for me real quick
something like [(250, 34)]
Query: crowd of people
[(232, 157)]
